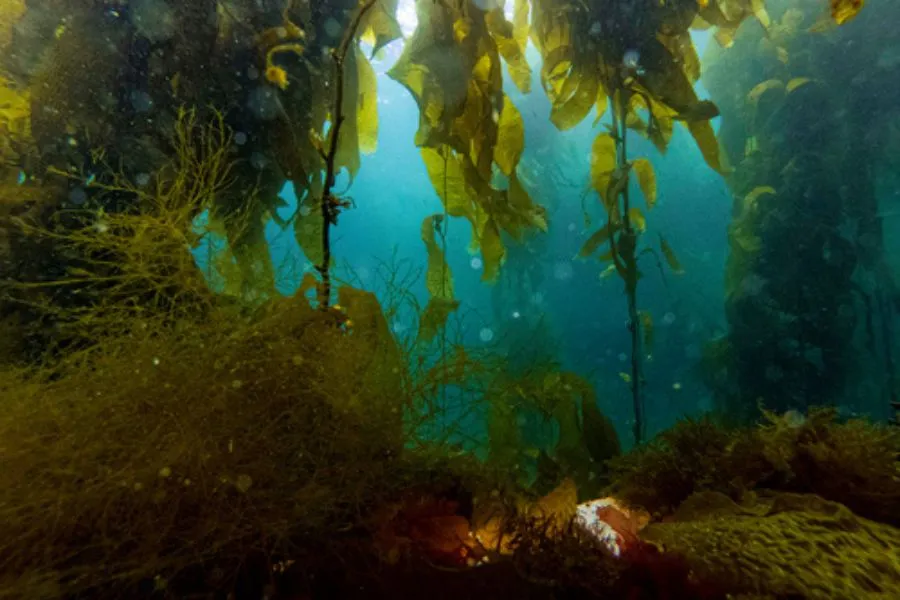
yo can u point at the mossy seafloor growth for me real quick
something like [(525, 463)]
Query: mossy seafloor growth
[(853, 462), (784, 546)]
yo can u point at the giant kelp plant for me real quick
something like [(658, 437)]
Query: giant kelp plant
[(806, 277), (172, 432)]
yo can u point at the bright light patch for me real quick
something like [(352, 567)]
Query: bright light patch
[(406, 16)]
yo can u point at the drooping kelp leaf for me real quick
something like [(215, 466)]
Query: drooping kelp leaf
[(761, 88), (751, 198), (520, 214), (504, 34), (445, 169), (795, 83), (669, 255), (348, 142), (646, 179), (510, 138), (434, 318), (379, 26), (574, 101), (520, 23), (709, 145), (597, 239), (584, 46), (367, 105), (637, 219), (308, 225), (603, 165), (845, 10), (492, 251), (438, 278), (468, 128)]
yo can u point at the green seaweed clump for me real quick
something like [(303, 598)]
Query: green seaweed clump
[(693, 455), (852, 462)]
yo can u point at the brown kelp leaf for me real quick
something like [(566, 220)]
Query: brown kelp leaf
[(438, 278), (367, 108), (637, 219), (308, 230), (520, 23), (379, 26), (434, 317), (795, 83), (845, 10), (574, 101), (669, 254), (504, 35), (754, 195), (448, 180), (348, 140), (761, 88), (492, 251), (597, 239), (759, 11), (525, 210), (510, 138), (709, 145), (646, 179), (603, 164)]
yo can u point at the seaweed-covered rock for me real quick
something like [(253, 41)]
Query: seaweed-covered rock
[(784, 545), (852, 462)]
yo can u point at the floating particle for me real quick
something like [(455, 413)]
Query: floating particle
[(332, 28), (141, 101), (622, 357), (263, 103), (516, 314), (77, 196), (486, 334), (142, 179), (165, 472), (668, 318), (631, 59), (259, 161), (475, 263), (240, 138), (676, 386), (563, 271)]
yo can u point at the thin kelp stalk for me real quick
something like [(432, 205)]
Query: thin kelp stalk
[(445, 224), (626, 251), (331, 204)]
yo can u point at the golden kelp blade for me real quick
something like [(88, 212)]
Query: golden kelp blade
[(844, 10), (646, 179), (667, 251), (599, 237)]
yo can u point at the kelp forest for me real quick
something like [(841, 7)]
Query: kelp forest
[(551, 299)]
